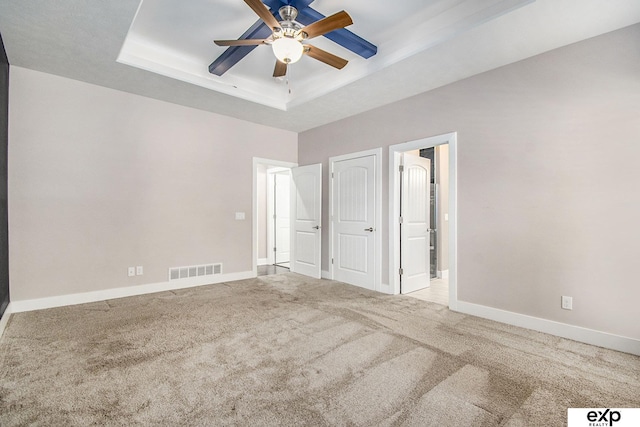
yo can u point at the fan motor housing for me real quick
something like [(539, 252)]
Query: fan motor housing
[(290, 28)]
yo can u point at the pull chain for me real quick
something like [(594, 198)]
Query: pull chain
[(288, 80)]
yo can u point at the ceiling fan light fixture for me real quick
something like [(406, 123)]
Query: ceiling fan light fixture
[(286, 39), (287, 50)]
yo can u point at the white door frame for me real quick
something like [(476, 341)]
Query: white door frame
[(254, 223), (394, 210), (377, 152)]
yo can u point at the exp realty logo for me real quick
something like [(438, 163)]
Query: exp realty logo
[(603, 417)]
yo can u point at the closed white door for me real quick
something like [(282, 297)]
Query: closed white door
[(306, 207), (282, 217), (354, 221), (415, 244)]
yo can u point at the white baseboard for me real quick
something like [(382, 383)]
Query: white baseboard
[(443, 274), (263, 261), (5, 319), (106, 294), (576, 333), (325, 274)]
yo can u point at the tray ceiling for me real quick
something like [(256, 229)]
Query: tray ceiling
[(161, 49), (175, 39)]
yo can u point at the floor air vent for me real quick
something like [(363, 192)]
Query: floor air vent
[(177, 273)]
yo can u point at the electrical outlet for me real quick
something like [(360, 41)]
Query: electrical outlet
[(139, 270), (567, 303), (131, 272)]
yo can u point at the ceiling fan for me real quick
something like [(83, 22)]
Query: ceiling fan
[(288, 36)]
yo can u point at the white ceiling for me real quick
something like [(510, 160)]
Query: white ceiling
[(163, 51)]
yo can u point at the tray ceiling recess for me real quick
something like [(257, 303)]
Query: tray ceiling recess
[(176, 39)]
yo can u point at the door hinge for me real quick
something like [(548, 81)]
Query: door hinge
[(274, 249), (401, 168), (401, 271), (331, 174), (331, 260), (401, 220)]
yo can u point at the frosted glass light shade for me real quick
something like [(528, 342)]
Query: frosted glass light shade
[(287, 50)]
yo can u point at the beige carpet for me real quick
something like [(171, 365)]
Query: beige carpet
[(288, 350)]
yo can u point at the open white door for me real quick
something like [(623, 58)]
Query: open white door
[(415, 244), (282, 217), (354, 221), (306, 208)]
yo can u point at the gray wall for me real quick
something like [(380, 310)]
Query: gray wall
[(100, 180), (4, 141), (548, 155)]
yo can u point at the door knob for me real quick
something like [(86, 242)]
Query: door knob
[(370, 229), (317, 227)]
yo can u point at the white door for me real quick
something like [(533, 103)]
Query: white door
[(306, 206), (282, 217), (415, 239), (354, 221)]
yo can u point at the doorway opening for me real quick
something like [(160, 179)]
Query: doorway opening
[(278, 218), (271, 214), (422, 215), (423, 233)]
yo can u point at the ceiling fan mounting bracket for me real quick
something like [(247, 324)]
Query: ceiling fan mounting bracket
[(288, 26), (288, 13)]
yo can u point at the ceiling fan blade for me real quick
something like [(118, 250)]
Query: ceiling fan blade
[(324, 56), (328, 24), (280, 70), (244, 42), (261, 10)]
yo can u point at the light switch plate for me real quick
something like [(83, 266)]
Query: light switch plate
[(239, 215)]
